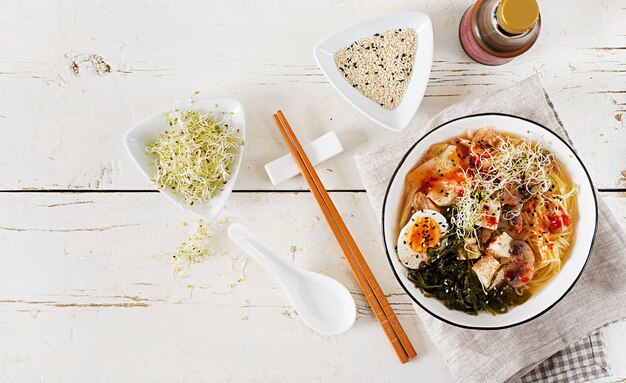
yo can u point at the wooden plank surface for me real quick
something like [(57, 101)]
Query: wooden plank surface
[(92, 70), (87, 281)]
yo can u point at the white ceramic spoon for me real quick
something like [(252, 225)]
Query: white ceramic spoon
[(322, 303)]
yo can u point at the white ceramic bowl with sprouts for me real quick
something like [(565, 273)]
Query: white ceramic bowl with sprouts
[(584, 234), (145, 133), (397, 119)]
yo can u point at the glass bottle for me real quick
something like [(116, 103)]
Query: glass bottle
[(493, 32)]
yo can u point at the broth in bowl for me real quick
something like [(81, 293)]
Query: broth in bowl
[(486, 219), (512, 217)]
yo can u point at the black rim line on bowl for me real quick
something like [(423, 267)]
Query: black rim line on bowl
[(593, 238)]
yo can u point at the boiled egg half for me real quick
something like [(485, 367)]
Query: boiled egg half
[(423, 231)]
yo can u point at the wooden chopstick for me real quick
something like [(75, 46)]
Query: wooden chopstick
[(373, 293), (350, 258), (368, 283), (347, 237)]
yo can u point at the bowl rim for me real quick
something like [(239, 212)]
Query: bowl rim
[(401, 162)]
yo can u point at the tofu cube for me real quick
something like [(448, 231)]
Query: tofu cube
[(490, 215), (500, 247), (486, 269)]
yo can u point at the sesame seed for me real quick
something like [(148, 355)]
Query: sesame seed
[(389, 55)]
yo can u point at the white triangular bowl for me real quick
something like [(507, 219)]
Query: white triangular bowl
[(398, 119), (146, 132)]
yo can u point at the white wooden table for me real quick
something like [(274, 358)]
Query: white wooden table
[(86, 286)]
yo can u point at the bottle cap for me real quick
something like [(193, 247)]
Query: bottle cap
[(517, 16)]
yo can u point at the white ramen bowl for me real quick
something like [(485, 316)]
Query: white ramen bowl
[(397, 119), (584, 234), (146, 132)]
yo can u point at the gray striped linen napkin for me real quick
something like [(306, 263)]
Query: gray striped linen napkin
[(564, 344)]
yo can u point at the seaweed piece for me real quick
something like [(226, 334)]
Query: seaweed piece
[(452, 281)]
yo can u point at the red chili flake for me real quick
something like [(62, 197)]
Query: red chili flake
[(558, 220), (555, 222), (429, 183), (566, 220), (491, 220), (525, 280)]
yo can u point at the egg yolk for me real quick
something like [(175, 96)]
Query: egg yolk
[(424, 234)]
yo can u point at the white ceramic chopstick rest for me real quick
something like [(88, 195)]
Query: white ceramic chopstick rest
[(318, 151), (322, 303)]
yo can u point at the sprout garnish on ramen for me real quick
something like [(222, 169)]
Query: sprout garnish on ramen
[(487, 218)]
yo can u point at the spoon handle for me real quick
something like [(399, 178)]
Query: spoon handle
[(254, 247)]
